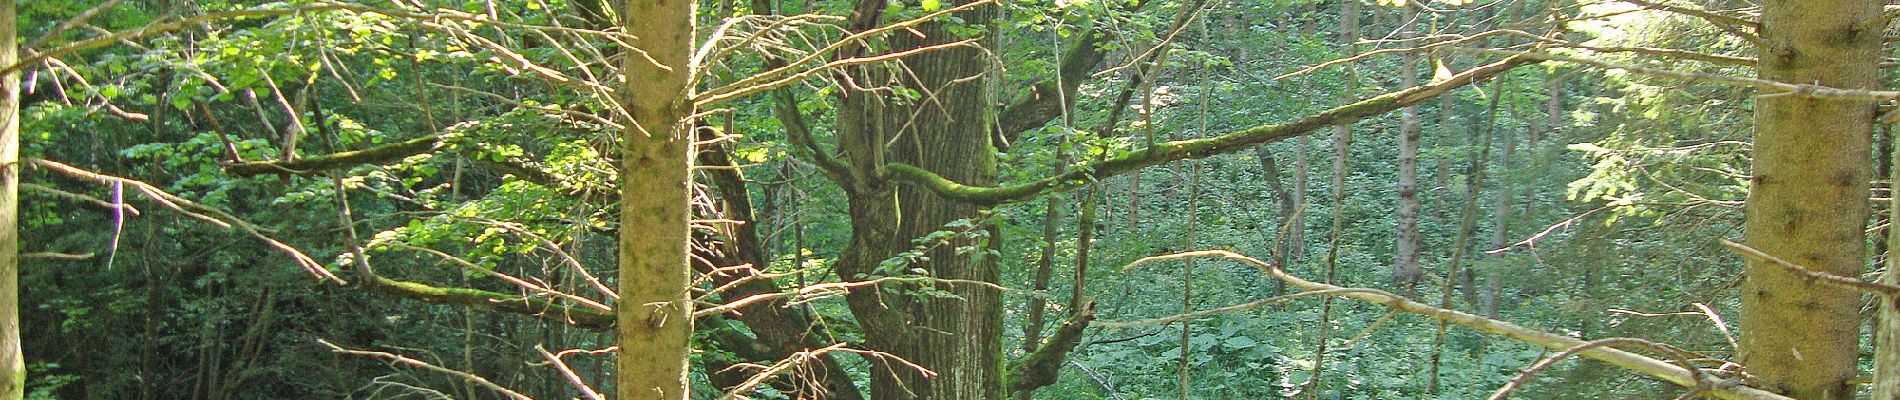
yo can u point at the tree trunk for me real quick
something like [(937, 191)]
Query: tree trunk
[(1045, 268), (1282, 243), (958, 337), (1084, 238), (1405, 269), (12, 363), (1883, 186), (655, 316), (1501, 216), (1808, 198), (1886, 383), (1296, 231)]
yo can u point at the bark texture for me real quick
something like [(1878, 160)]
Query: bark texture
[(1886, 383), (1808, 200), (654, 313), (958, 338), (12, 363), (1405, 269)]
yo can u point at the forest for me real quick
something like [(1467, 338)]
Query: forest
[(949, 200)]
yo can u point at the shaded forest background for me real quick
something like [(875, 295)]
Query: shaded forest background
[(467, 150)]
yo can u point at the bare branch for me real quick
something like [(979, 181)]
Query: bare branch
[(47, 255), (572, 378), (1196, 148), (94, 201), (397, 359), (1882, 289), (1774, 88), (1678, 355), (1658, 369), (764, 80), (1732, 25), (193, 209)]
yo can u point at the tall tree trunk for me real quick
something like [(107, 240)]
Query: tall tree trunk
[(1501, 216), (1883, 185), (1808, 199), (1282, 244), (12, 363), (1296, 230), (958, 337), (1467, 225), (1045, 266), (655, 317), (1886, 383), (1084, 238), (1405, 269)]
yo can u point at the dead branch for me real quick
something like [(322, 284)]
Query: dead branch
[(397, 359), (201, 212), (1678, 355), (1877, 288), (1659, 369), (1195, 148), (572, 378)]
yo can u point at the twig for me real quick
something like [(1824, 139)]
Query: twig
[(734, 91), (789, 362), (1731, 25), (1774, 88), (1659, 369), (69, 23), (757, 80), (833, 287), (1882, 289), (201, 212), (1099, 379), (524, 284), (572, 378), (47, 255), (1227, 309), (397, 359), (1373, 327), (96, 202), (1681, 357)]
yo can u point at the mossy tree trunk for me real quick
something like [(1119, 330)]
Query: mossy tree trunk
[(1808, 199), (654, 312), (958, 338)]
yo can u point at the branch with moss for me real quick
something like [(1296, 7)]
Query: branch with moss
[(344, 159), (383, 154), (1040, 368), (494, 301), (1196, 148), (1043, 101)]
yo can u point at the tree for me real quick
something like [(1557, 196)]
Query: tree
[(958, 338), (12, 362), (1405, 268), (655, 311), (1807, 201)]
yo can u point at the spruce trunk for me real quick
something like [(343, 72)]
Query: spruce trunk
[(1808, 198), (655, 312)]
